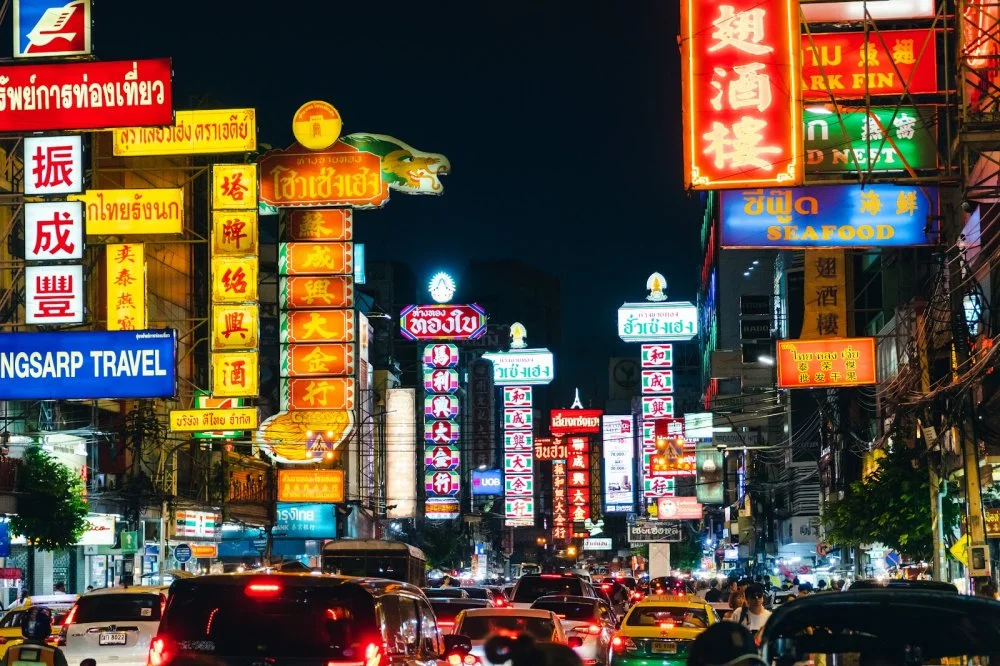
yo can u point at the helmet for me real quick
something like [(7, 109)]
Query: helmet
[(37, 623), (724, 644)]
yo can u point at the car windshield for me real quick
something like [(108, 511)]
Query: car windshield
[(297, 622), (478, 627), (119, 607), (446, 593), (529, 589), (445, 611), (477, 592), (567, 610), (679, 616)]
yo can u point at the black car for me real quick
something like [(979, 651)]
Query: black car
[(447, 610)]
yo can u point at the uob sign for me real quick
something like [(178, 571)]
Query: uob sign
[(487, 482)]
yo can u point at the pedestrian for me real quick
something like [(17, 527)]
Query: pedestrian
[(701, 589), (752, 613), (730, 589), (36, 626), (714, 594), (90, 588), (821, 586), (59, 588), (724, 643), (737, 599)]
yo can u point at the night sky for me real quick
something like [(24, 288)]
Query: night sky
[(561, 121)]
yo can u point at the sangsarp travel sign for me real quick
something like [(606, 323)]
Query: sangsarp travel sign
[(876, 215), (86, 95), (884, 139)]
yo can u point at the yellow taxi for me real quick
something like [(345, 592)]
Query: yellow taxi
[(10, 624), (659, 630)]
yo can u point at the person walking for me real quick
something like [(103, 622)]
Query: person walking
[(752, 613)]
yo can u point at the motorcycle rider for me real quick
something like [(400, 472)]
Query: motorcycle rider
[(36, 626)]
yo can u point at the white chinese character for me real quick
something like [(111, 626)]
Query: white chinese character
[(742, 148), (905, 125), (743, 31), (870, 130), (751, 89)]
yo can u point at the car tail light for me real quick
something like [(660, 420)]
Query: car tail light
[(160, 652), (3, 640), (619, 643), (594, 629), (666, 626), (605, 586), (68, 620), (446, 626), (263, 589)]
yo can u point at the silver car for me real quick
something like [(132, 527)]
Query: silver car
[(479, 624), (591, 620)]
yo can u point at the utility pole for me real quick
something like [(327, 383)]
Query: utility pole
[(926, 429)]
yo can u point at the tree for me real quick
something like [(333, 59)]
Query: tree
[(440, 543), (891, 507), (51, 511), (686, 554)]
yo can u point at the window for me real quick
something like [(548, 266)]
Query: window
[(430, 639), (409, 624), (11, 619), (478, 627), (118, 608), (566, 610), (529, 589), (679, 616)]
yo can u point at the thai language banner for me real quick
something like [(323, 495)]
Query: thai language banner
[(87, 365), (340, 176), (139, 211), (86, 95), (826, 363), (831, 216), (891, 62), (212, 131), (885, 139), (204, 420)]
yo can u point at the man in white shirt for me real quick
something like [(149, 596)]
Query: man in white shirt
[(753, 615)]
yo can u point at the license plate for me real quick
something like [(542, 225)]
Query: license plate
[(664, 647), (116, 638)]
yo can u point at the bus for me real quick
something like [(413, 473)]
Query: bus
[(373, 558)]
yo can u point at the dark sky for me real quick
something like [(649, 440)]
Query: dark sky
[(561, 121)]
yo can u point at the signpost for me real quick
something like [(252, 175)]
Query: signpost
[(182, 553)]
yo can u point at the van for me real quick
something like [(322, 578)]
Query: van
[(251, 619), (113, 625)]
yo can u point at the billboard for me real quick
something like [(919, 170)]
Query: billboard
[(819, 11), (442, 322), (305, 520), (884, 139), (133, 211), (50, 28), (575, 421), (678, 508), (709, 486), (87, 365), (740, 85), (892, 62), (657, 322), (208, 131), (310, 485), (523, 366), (401, 466), (338, 176), (826, 363), (122, 93), (53, 294), (875, 215), (487, 482), (53, 164), (618, 449), (647, 531)]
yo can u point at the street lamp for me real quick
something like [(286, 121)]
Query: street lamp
[(571, 551)]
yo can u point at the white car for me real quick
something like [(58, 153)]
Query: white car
[(113, 625), (591, 620), (480, 624)]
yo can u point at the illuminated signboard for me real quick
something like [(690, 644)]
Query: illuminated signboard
[(329, 224), (234, 232), (893, 62), (312, 485), (820, 11), (53, 294), (876, 215), (123, 93), (524, 366), (678, 508), (53, 231), (657, 381), (234, 186), (315, 292), (312, 258), (306, 436), (316, 125), (53, 164), (741, 101), (206, 420), (209, 131), (133, 211), (400, 481), (442, 322), (575, 421), (885, 139), (320, 393), (826, 363), (618, 448), (50, 28), (316, 326), (339, 176), (657, 406), (125, 286), (656, 322), (657, 356), (316, 360)]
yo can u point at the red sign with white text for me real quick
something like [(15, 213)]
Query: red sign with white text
[(893, 62), (678, 508), (741, 103), (442, 322), (86, 95), (575, 421)]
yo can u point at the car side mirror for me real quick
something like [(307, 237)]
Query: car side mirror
[(456, 643), (574, 641)]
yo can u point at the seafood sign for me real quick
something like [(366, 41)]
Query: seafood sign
[(835, 216), (86, 95)]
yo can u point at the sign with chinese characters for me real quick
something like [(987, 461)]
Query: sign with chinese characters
[(235, 374), (875, 215), (658, 486), (825, 289), (326, 393), (50, 28), (441, 427), (518, 418), (518, 463), (125, 93), (618, 448), (311, 485), (234, 186), (442, 355), (440, 380), (518, 509), (441, 432), (441, 483), (87, 365), (657, 322), (441, 457), (312, 293), (53, 294), (328, 224), (657, 381), (133, 212), (53, 164), (316, 360), (891, 62), (440, 406), (678, 508), (203, 132), (523, 366), (884, 139), (235, 326), (442, 322), (826, 363), (519, 486), (561, 527), (518, 440), (125, 281), (234, 279), (575, 421), (657, 406), (741, 101), (339, 176), (657, 356), (204, 420), (517, 396), (299, 520), (333, 258), (234, 232), (53, 231), (819, 11), (317, 326), (316, 125), (578, 479)]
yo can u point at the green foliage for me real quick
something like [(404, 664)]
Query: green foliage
[(51, 511), (892, 507), (440, 540), (686, 554)]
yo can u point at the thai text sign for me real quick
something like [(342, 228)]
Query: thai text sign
[(992, 523), (53, 164), (234, 232), (305, 521), (235, 326), (657, 322), (125, 281), (741, 102), (877, 215), (546, 448), (442, 322), (53, 294), (205, 420), (819, 11), (340, 176), (523, 366), (142, 211), (310, 485), (85, 95), (49, 28), (325, 393), (331, 224), (645, 531), (211, 131), (316, 326), (333, 291), (333, 258), (313, 360), (53, 231), (575, 421), (843, 66), (885, 139), (678, 508), (87, 365), (826, 363)]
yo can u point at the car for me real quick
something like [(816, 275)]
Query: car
[(500, 598), (493, 596), (592, 620), (240, 619), (113, 625), (667, 585), (445, 593), (10, 624), (532, 586), (899, 584), (482, 623), (446, 610), (660, 629)]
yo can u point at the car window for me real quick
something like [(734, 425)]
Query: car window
[(409, 623), (118, 607), (529, 589), (476, 592), (11, 619), (567, 610), (479, 627), (430, 639), (654, 616)]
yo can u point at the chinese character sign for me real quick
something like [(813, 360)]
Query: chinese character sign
[(519, 459), (578, 478), (441, 427), (234, 279), (234, 232), (235, 326), (826, 363), (235, 374), (53, 164), (741, 101), (561, 526), (53, 231), (125, 281), (879, 138), (234, 186), (825, 294), (53, 294)]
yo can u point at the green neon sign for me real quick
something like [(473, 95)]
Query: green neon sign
[(829, 149)]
